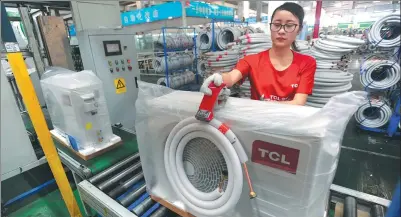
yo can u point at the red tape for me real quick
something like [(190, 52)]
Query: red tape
[(223, 128)]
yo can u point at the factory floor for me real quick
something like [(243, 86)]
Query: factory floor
[(50, 205), (369, 162)]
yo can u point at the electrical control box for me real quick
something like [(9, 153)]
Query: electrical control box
[(111, 53)]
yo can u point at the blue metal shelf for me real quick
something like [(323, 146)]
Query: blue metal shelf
[(165, 51)]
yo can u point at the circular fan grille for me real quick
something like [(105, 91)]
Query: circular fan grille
[(204, 165)]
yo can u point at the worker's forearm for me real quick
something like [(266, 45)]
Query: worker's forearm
[(230, 78), (292, 102), (227, 79)]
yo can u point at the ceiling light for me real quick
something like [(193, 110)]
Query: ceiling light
[(338, 5), (376, 1)]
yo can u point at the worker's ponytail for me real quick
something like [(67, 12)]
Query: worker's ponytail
[(294, 46)]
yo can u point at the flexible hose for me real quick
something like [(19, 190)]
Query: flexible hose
[(331, 54), (204, 40), (226, 35), (214, 203), (177, 80), (374, 113), (375, 34), (388, 74), (175, 62)]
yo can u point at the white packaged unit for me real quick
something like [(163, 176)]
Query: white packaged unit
[(78, 109), (291, 153)]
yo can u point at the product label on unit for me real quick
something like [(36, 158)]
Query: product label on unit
[(276, 156), (119, 84)]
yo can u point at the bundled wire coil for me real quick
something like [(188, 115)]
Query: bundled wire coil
[(380, 74), (374, 114), (376, 36)]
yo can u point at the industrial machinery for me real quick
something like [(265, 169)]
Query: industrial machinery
[(78, 110), (17, 153), (111, 53)]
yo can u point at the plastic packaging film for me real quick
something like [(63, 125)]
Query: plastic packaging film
[(297, 189), (77, 106)]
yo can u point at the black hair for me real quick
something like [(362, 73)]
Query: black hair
[(297, 11)]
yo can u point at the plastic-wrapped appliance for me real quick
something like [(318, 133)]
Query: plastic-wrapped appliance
[(77, 108), (290, 153)]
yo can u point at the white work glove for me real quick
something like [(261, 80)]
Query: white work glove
[(217, 79)]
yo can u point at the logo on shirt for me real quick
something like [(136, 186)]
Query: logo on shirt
[(294, 85)]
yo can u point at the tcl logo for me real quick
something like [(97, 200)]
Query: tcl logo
[(276, 156)]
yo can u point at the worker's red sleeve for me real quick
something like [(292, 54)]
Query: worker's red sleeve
[(307, 77), (244, 67)]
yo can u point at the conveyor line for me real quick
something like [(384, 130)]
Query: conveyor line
[(126, 195), (120, 191)]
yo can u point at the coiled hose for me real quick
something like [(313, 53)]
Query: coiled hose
[(175, 62), (331, 54), (376, 36), (180, 41), (204, 40), (220, 200), (219, 62), (380, 74), (227, 35), (177, 80), (374, 114)]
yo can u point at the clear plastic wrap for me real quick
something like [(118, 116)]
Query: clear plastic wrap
[(310, 137), (78, 109)]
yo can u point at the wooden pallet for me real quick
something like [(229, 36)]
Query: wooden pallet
[(171, 207), (80, 155)]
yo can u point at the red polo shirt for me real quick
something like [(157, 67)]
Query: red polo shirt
[(278, 85)]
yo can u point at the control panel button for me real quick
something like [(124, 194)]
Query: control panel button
[(110, 63), (130, 68), (117, 69), (116, 62), (111, 70), (122, 61), (123, 68), (128, 61)]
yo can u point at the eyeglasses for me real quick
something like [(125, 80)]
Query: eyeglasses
[(275, 27)]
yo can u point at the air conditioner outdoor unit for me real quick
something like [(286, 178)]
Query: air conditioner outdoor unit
[(292, 153)]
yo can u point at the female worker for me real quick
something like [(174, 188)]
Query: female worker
[(278, 74)]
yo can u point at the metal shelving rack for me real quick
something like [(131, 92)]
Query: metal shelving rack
[(166, 51)]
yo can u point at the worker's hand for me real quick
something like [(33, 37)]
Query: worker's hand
[(216, 78), (222, 99), (224, 94)]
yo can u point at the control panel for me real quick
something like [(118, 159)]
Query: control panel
[(111, 55)]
